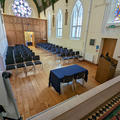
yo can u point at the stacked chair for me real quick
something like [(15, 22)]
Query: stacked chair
[(64, 53), (10, 63), (21, 56)]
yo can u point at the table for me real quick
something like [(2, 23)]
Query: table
[(57, 75)]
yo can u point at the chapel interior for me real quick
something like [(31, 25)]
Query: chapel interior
[(59, 60)]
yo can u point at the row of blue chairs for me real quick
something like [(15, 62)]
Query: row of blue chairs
[(65, 53), (22, 57), (9, 56)]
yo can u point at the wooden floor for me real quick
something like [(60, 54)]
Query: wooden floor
[(32, 92)]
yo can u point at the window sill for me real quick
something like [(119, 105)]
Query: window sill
[(75, 38), (59, 37), (116, 24)]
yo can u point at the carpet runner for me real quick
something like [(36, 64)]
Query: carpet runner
[(110, 110)]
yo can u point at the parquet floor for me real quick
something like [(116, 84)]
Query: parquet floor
[(32, 92)]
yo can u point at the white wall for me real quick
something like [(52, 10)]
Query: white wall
[(66, 41), (99, 16), (3, 44), (94, 27)]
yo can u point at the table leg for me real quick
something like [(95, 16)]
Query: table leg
[(61, 89), (74, 85)]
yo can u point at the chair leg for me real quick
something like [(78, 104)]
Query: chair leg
[(80, 81), (16, 73), (25, 71), (42, 65), (62, 89), (73, 88), (74, 85), (83, 82), (34, 69), (71, 60)]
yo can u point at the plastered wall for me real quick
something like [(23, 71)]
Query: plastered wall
[(3, 44), (91, 28), (96, 27), (66, 41)]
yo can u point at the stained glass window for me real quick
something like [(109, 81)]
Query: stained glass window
[(59, 24), (76, 21), (21, 8), (117, 11)]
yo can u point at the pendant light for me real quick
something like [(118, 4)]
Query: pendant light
[(66, 13)]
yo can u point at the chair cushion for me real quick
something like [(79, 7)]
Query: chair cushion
[(37, 62), (20, 65), (29, 63), (37, 57), (70, 57), (10, 67), (65, 58)]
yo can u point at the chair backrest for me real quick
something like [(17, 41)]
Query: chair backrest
[(67, 79), (61, 50), (28, 58), (71, 50), (18, 55), (65, 48), (19, 60), (79, 76), (72, 53), (9, 60), (32, 54), (77, 53), (37, 57)]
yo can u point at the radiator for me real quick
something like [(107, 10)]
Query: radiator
[(89, 57)]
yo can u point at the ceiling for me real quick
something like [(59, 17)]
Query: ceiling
[(43, 4), (40, 4)]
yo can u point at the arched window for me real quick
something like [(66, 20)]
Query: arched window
[(117, 11), (49, 25), (21, 8), (59, 24), (76, 21)]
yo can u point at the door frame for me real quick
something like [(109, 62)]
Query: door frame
[(102, 44)]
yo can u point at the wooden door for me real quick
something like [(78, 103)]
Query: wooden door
[(109, 45)]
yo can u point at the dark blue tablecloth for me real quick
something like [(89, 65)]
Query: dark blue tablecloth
[(57, 75)]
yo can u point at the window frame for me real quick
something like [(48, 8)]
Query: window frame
[(72, 19), (58, 29), (49, 25)]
